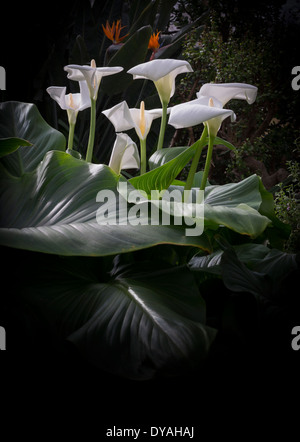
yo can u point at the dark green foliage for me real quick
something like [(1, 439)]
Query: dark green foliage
[(143, 301), (231, 49)]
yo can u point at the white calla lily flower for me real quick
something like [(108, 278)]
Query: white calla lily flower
[(225, 92), (163, 73), (201, 110), (123, 118), (207, 108), (124, 154), (91, 74), (72, 103)]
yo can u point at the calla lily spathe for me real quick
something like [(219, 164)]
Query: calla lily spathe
[(225, 92), (124, 154), (214, 96), (91, 74), (163, 73), (218, 94), (123, 118), (208, 109), (72, 103), (201, 110)]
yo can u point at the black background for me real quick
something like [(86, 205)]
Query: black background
[(52, 393)]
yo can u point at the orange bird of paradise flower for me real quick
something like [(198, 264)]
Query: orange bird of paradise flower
[(153, 42), (113, 32)]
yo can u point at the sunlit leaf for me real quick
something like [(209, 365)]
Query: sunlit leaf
[(10, 145), (54, 210), (23, 120), (146, 319)]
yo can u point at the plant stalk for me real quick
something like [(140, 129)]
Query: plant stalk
[(71, 135), (163, 124), (211, 139), (195, 161), (90, 148), (143, 156)]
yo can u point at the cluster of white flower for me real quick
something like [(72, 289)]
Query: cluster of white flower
[(207, 108)]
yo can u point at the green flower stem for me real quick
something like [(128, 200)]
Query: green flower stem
[(90, 148), (211, 139), (201, 143), (143, 156), (163, 124), (71, 135)]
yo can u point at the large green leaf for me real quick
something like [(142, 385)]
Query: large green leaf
[(249, 254), (167, 164), (237, 206), (164, 12), (145, 319), (10, 145), (238, 278), (53, 209), (265, 279), (234, 205), (23, 120), (251, 192), (241, 219), (162, 156), (162, 177), (252, 268), (146, 15), (246, 191)]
